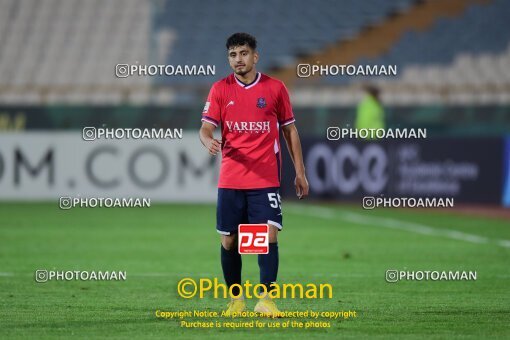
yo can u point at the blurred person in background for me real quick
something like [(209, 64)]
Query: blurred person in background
[(370, 113)]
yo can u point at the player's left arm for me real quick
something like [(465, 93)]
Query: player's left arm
[(291, 135)]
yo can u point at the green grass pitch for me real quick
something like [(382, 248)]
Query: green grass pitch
[(341, 245)]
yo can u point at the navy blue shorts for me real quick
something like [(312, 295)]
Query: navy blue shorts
[(239, 206)]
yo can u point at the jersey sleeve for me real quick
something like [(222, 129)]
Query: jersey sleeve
[(285, 114), (211, 113)]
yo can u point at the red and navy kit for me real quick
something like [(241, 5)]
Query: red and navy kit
[(250, 116)]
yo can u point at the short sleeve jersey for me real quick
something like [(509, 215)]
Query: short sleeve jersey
[(250, 116)]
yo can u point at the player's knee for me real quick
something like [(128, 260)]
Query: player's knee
[(273, 238), (273, 234), (228, 241)]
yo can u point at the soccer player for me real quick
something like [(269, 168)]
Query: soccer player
[(251, 108)]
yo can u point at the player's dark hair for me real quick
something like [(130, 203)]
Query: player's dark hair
[(241, 39), (373, 91)]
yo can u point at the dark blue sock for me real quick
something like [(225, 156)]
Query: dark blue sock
[(268, 264), (231, 264)]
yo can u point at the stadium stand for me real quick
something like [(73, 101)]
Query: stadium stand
[(52, 47), (65, 51), (460, 59), (445, 59), (281, 41)]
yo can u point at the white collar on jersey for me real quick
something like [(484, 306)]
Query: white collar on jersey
[(248, 86)]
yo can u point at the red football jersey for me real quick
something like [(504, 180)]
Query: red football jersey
[(250, 116)]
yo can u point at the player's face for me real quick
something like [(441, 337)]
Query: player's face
[(242, 59)]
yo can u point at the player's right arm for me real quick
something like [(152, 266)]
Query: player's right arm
[(206, 137), (211, 117)]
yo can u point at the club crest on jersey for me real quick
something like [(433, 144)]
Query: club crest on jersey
[(261, 103)]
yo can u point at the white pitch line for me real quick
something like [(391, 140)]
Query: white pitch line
[(504, 243), (391, 223), (414, 227)]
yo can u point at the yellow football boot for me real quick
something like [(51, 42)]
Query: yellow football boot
[(267, 306), (235, 306)]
